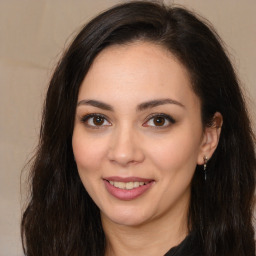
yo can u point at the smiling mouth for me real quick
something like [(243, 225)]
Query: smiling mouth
[(127, 188), (127, 185)]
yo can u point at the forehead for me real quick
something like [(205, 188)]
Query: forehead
[(138, 71)]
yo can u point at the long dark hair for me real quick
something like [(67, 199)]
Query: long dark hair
[(61, 219)]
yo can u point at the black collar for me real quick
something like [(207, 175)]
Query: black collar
[(190, 246)]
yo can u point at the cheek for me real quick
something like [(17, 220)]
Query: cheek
[(177, 151), (88, 152)]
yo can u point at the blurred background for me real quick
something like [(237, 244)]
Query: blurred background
[(33, 35)]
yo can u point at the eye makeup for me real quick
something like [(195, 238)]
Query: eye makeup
[(159, 120), (95, 120), (154, 120)]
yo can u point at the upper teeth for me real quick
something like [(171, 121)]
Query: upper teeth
[(127, 185)]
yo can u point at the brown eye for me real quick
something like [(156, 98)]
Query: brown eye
[(159, 121), (95, 121), (98, 120)]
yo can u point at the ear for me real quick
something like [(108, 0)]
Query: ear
[(210, 139)]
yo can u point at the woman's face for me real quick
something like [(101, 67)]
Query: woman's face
[(138, 134)]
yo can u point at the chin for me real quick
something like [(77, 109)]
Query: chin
[(126, 217)]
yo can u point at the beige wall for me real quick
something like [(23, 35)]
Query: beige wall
[(32, 36)]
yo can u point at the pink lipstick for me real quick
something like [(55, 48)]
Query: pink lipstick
[(127, 188)]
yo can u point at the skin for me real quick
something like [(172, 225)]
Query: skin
[(128, 142)]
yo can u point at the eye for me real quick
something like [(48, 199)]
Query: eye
[(159, 120), (95, 120)]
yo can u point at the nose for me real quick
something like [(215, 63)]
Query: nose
[(125, 147)]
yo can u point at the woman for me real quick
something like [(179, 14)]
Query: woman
[(145, 146)]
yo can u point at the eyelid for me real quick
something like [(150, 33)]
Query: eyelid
[(170, 119), (85, 118), (167, 117)]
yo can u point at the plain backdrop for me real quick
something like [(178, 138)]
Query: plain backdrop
[(33, 35)]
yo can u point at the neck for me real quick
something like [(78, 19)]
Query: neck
[(152, 238)]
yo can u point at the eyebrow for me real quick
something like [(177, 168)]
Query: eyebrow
[(95, 103), (140, 107), (155, 103)]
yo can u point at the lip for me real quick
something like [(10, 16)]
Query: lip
[(125, 194), (127, 179)]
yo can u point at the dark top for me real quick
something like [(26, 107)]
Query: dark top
[(188, 247)]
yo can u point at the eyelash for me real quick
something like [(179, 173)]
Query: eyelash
[(85, 119), (167, 118), (162, 115)]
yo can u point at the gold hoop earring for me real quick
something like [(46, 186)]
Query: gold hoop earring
[(205, 166)]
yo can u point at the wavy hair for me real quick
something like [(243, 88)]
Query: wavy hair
[(61, 218)]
